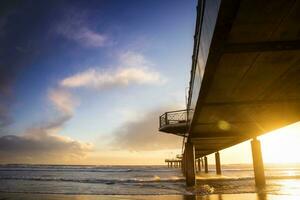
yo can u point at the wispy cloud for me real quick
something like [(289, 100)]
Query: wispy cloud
[(133, 59), (133, 69), (84, 36), (63, 101), (93, 78), (75, 27), (143, 134)]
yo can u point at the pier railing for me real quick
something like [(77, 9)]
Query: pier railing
[(172, 118)]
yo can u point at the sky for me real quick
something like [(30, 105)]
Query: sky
[(84, 82)]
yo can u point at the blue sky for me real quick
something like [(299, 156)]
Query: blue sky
[(83, 82), (82, 71)]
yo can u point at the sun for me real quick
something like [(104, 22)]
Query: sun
[(282, 145)]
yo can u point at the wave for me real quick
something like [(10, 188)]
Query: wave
[(155, 179), (66, 170), (103, 181), (85, 169), (271, 177), (81, 170)]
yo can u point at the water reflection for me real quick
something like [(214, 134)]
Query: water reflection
[(250, 196), (261, 196), (276, 189)]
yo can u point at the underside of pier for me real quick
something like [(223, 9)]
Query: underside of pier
[(251, 78), (245, 77)]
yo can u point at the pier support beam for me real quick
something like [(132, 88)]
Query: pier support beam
[(199, 165), (218, 163), (258, 165), (190, 164), (205, 165)]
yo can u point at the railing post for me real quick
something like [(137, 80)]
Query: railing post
[(166, 119), (159, 121)]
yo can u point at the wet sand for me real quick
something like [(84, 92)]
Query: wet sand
[(249, 196)]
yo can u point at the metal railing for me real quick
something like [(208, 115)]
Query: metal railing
[(179, 156), (173, 117)]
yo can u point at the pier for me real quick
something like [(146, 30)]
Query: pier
[(173, 163), (244, 82)]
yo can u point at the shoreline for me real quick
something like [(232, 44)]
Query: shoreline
[(243, 196)]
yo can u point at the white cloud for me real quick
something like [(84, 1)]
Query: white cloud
[(42, 142), (134, 70), (40, 146)]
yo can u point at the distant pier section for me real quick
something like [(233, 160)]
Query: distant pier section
[(175, 162)]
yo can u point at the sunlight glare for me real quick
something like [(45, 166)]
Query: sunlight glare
[(282, 145)]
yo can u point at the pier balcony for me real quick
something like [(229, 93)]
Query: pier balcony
[(174, 122)]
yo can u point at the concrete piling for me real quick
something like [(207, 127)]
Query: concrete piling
[(218, 163), (258, 165), (199, 165), (190, 164), (205, 165)]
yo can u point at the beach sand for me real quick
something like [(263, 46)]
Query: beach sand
[(249, 196)]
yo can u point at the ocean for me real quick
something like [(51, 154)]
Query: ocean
[(139, 181)]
